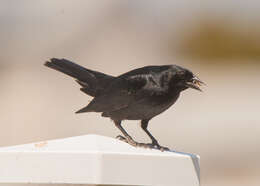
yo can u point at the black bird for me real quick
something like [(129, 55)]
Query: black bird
[(140, 94)]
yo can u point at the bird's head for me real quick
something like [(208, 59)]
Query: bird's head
[(183, 78)]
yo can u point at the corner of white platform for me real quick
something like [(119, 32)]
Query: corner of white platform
[(93, 159)]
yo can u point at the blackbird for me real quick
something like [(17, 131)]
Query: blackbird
[(139, 94)]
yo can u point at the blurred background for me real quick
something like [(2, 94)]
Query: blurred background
[(218, 40)]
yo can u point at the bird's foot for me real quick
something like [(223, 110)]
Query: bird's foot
[(161, 148), (128, 140), (152, 146), (131, 142), (156, 145), (143, 145), (122, 138)]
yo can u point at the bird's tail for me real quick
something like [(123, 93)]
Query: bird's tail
[(92, 82)]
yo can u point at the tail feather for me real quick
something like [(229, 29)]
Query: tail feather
[(84, 109), (92, 82)]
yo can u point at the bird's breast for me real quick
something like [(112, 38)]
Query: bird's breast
[(146, 108)]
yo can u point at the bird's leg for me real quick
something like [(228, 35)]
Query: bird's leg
[(144, 125), (155, 144), (127, 138)]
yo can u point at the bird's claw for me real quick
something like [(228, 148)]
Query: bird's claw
[(127, 140), (143, 145), (161, 148), (121, 138), (153, 146), (156, 145)]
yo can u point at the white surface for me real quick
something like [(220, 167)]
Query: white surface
[(93, 159)]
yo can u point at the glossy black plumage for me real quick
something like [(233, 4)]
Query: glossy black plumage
[(140, 94)]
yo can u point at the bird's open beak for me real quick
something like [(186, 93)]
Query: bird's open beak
[(195, 83)]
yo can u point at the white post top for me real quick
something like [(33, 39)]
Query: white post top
[(93, 159)]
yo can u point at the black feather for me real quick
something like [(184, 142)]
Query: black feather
[(92, 82)]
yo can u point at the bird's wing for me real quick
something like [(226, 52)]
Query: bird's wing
[(126, 90)]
